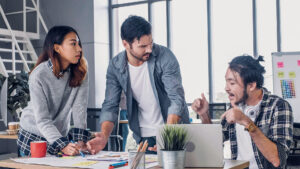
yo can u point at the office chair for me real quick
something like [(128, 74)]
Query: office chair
[(217, 109), (294, 156), (93, 123), (115, 139)]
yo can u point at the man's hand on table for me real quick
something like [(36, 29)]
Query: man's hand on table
[(97, 144), (154, 148)]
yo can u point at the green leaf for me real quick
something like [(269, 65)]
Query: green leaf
[(174, 137), (17, 92)]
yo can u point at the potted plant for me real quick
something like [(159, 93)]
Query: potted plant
[(17, 94), (174, 139)]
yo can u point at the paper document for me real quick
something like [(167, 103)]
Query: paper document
[(102, 160)]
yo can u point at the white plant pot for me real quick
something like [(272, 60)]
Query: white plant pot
[(173, 159)]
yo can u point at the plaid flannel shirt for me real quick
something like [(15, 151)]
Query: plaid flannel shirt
[(275, 120), (61, 73), (25, 137)]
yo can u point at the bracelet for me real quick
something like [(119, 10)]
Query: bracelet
[(251, 127)]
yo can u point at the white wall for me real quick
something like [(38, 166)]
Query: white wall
[(79, 15), (101, 49), (90, 19)]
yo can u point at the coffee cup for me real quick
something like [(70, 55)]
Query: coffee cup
[(13, 125), (38, 149)]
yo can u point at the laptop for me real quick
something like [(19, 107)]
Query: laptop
[(204, 148)]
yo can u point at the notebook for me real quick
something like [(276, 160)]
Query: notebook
[(205, 146)]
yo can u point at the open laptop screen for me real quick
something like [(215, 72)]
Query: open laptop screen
[(205, 147)]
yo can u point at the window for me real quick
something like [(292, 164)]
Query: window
[(120, 14), (159, 26), (290, 25), (124, 1), (267, 36), (189, 44), (231, 36)]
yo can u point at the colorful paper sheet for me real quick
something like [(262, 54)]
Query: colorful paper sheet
[(281, 74), (280, 64), (84, 163), (288, 89), (292, 74)]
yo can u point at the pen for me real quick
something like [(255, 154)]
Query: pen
[(59, 154), (116, 165), (81, 153)]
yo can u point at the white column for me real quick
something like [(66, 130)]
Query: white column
[(101, 48)]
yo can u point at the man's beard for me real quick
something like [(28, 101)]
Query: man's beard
[(139, 58), (244, 98)]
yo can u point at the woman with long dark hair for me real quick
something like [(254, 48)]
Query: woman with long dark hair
[(58, 87)]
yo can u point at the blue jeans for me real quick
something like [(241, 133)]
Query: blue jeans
[(124, 128), (151, 143)]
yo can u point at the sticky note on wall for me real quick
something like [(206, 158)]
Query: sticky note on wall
[(280, 64), (292, 74), (281, 74), (298, 62)]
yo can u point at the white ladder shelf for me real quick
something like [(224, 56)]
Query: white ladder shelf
[(18, 53)]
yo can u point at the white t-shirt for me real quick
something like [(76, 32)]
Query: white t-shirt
[(244, 142), (150, 116)]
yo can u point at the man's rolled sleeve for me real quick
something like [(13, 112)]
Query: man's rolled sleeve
[(110, 106), (282, 153), (172, 81), (108, 116), (282, 130), (175, 109)]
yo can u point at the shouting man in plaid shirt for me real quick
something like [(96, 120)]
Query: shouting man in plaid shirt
[(259, 125)]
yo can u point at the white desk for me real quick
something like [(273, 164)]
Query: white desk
[(229, 164)]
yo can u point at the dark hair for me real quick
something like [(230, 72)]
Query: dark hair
[(249, 69), (134, 27), (56, 35)]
